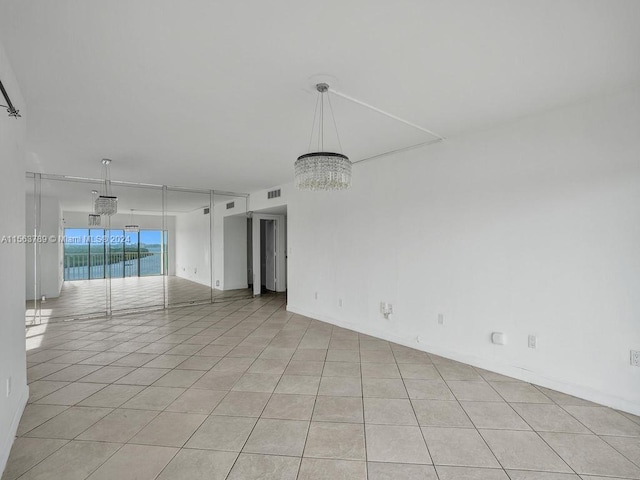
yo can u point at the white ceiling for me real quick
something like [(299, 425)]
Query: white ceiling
[(216, 94)]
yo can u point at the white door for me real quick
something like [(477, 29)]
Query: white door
[(270, 254)]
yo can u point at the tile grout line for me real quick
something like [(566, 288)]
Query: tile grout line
[(532, 429), (415, 415), (112, 410), (222, 399), (267, 402)]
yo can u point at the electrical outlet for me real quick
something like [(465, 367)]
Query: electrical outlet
[(8, 387), (440, 319), (635, 358), (316, 295), (499, 338), (339, 302), (533, 341)]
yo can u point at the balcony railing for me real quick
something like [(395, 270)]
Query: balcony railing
[(85, 266)]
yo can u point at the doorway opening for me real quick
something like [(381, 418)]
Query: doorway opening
[(268, 244)]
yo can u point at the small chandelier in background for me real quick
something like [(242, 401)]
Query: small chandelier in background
[(132, 227), (323, 170), (106, 203), (94, 218)]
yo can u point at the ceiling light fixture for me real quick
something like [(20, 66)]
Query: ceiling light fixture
[(323, 170), (132, 227), (11, 110), (106, 203), (94, 218)]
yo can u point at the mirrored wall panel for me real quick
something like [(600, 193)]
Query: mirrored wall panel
[(65, 266), (135, 248), (231, 247), (189, 279), (157, 247)]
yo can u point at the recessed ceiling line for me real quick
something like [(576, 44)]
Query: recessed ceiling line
[(386, 114)]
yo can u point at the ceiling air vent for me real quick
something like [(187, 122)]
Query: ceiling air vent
[(273, 194), (230, 205), (206, 211)]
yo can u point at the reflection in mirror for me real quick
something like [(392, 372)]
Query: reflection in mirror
[(231, 247), (165, 247), (189, 246), (135, 251), (64, 276)]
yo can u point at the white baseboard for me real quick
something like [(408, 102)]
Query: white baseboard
[(235, 286), (7, 441), (537, 378)]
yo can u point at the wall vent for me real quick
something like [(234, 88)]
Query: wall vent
[(273, 194), (230, 205), (206, 211)]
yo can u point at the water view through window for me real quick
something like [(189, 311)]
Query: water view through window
[(130, 254)]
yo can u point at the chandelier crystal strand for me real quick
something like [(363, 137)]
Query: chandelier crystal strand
[(323, 170), (94, 218)]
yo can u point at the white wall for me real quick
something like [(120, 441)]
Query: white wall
[(193, 247), (235, 252), (12, 259), (50, 265), (259, 201), (529, 228)]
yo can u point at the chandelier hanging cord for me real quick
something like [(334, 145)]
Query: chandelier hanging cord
[(106, 174), (313, 124), (321, 124), (323, 89), (106, 204), (335, 125)]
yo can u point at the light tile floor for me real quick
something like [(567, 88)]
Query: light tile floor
[(88, 297), (244, 390)]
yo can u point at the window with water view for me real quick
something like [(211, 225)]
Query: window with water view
[(130, 254)]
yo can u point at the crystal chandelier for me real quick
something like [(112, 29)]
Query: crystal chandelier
[(94, 218), (132, 227), (106, 203), (323, 170)]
